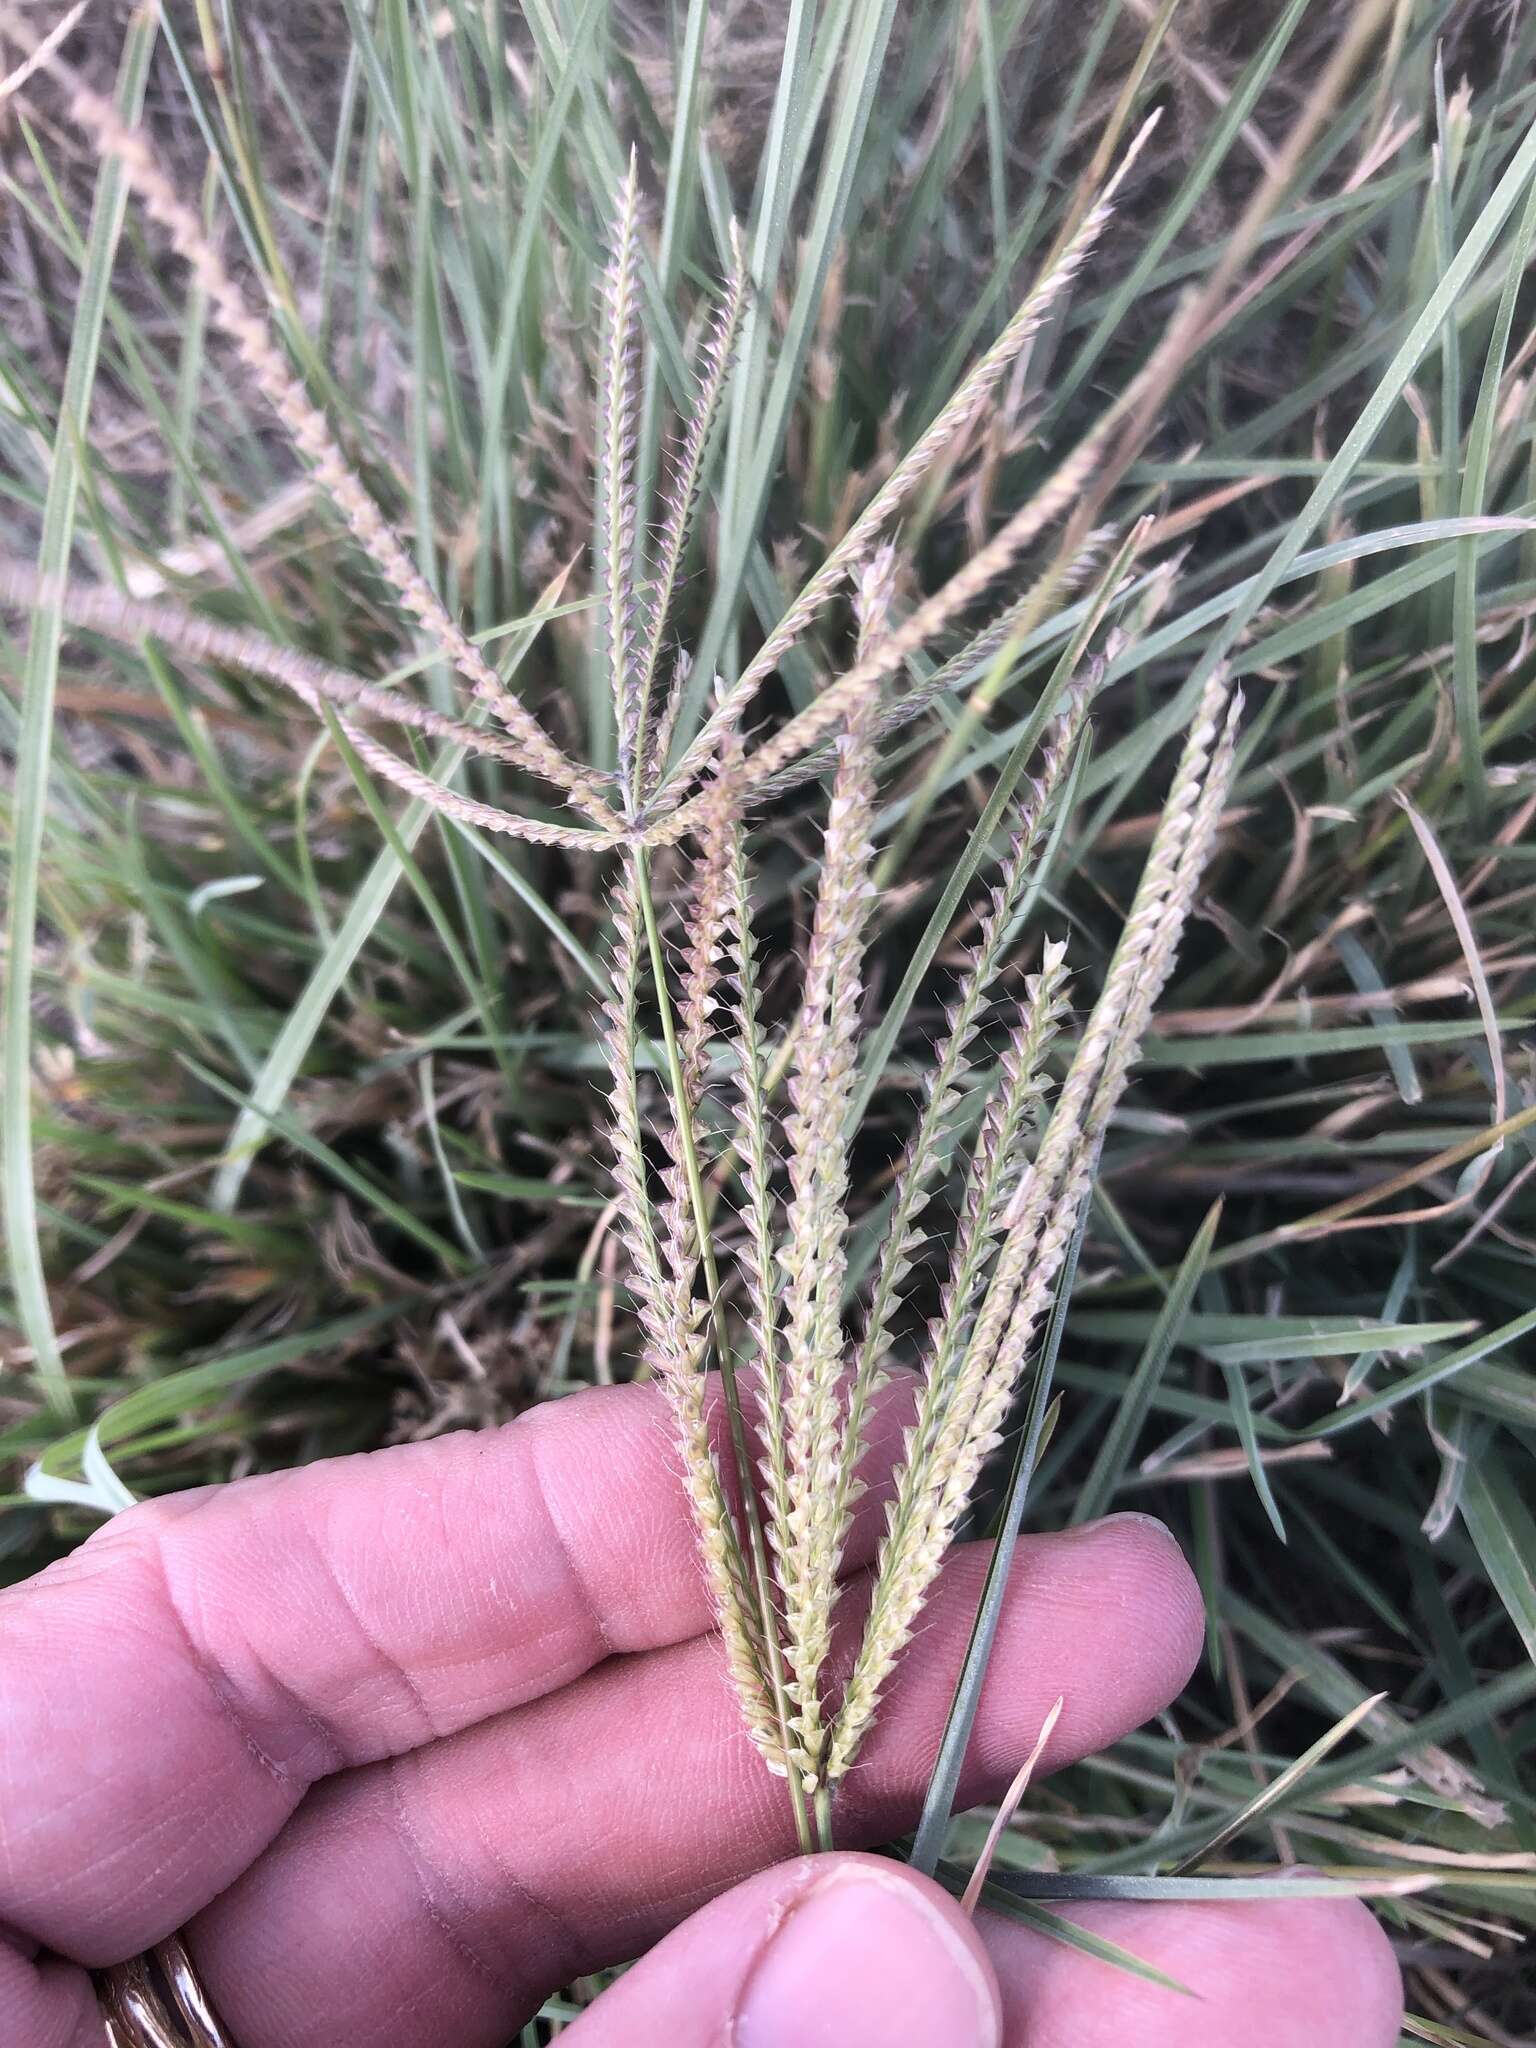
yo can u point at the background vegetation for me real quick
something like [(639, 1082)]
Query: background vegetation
[(300, 1083)]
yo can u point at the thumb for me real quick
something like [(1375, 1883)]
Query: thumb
[(851, 1950)]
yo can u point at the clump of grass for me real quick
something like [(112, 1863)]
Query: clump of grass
[(1270, 421)]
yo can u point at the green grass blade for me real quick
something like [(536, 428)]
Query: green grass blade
[(1114, 1454), (1474, 491), (35, 742), (1281, 1787), (291, 1046), (1502, 1526)]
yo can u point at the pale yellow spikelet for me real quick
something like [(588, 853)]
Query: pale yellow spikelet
[(663, 1267), (908, 699), (891, 651), (813, 1257), (725, 1570), (681, 502), (965, 1410), (616, 526), (874, 592), (95, 609), (758, 1253), (626, 1129), (708, 918), (914, 1545), (948, 429), (416, 783), (929, 1150), (1058, 1222), (315, 683), (1046, 1215)]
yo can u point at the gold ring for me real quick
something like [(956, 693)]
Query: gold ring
[(156, 2000)]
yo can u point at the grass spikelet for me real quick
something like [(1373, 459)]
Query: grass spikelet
[(452, 803), (814, 1254), (890, 651), (626, 1130), (908, 702), (978, 652), (665, 1266), (971, 1377), (754, 1150), (910, 1553), (938, 442), (96, 609), (662, 728), (685, 489), (617, 525), (874, 592), (708, 918), (315, 683), (929, 1150)]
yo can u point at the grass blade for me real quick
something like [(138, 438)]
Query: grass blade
[(1114, 1454), (1281, 1787), (35, 741), (1500, 1523), (270, 1089)]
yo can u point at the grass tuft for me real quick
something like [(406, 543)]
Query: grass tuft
[(1063, 368)]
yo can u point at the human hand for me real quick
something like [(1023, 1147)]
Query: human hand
[(407, 1741)]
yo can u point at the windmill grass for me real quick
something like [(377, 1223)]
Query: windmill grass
[(251, 1030), (776, 1614)]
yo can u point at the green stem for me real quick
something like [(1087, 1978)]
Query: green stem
[(757, 1544), (824, 1817)]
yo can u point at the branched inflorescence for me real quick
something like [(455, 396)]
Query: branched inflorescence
[(747, 1147), (654, 801)]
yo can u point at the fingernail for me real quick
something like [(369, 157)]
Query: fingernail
[(865, 1960), (1135, 1520)]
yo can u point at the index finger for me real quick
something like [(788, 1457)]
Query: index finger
[(170, 1692)]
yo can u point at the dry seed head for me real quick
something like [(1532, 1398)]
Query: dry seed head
[(891, 652), (1045, 1214), (315, 683), (664, 1273), (726, 1572), (1147, 979), (916, 1539), (758, 1254), (625, 1128), (972, 659), (964, 1409), (681, 504), (96, 609), (983, 648), (617, 524), (873, 594), (929, 1150), (469, 810), (813, 1257), (659, 745), (954, 421), (310, 431), (707, 918)]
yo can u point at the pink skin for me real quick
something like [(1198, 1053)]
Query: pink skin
[(409, 1740)]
